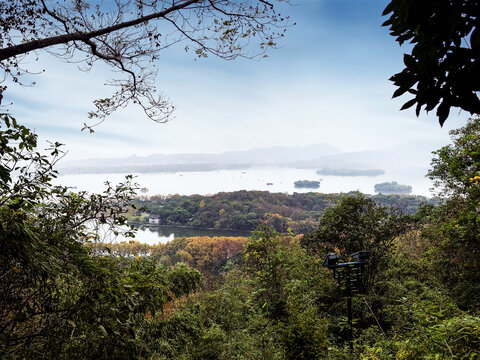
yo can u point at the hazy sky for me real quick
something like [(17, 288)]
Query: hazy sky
[(327, 83)]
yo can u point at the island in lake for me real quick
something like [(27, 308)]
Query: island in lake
[(309, 184), (350, 172), (393, 187)]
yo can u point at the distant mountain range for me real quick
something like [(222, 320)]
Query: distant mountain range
[(266, 157), (317, 156)]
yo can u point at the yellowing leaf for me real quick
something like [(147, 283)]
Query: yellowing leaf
[(102, 329)]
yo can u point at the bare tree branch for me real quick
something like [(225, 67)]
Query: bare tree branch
[(24, 48), (128, 37)]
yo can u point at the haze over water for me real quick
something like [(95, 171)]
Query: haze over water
[(282, 179)]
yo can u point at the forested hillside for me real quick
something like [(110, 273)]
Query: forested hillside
[(245, 210), (323, 276)]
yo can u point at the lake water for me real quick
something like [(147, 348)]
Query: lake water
[(164, 234), (280, 180)]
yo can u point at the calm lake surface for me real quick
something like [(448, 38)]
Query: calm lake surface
[(163, 234), (281, 180)]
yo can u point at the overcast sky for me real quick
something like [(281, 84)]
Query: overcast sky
[(327, 83)]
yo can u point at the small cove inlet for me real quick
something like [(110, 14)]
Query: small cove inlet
[(162, 234)]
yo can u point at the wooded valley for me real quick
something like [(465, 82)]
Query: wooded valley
[(64, 294)]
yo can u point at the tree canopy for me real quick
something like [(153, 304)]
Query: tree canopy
[(455, 228), (456, 167), (443, 68), (357, 223), (129, 36), (58, 297)]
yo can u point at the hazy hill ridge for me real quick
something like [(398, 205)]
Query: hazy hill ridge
[(316, 156), (272, 156)]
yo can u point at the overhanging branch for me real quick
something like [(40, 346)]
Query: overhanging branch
[(24, 48)]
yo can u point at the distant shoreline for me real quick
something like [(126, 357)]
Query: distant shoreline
[(271, 179), (148, 225), (206, 167)]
